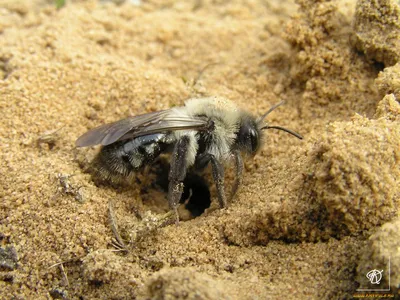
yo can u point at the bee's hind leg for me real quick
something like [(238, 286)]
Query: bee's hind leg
[(177, 174)]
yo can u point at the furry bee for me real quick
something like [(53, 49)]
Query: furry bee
[(204, 130)]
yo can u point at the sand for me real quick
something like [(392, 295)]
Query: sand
[(312, 217)]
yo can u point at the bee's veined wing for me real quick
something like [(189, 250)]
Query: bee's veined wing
[(154, 122)]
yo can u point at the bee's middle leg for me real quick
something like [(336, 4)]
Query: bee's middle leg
[(218, 175), (219, 178), (177, 174), (239, 171)]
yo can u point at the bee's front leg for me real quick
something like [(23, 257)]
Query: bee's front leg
[(177, 173)]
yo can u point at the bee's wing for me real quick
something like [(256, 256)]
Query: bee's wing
[(154, 122)]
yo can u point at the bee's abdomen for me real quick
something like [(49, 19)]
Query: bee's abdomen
[(121, 159)]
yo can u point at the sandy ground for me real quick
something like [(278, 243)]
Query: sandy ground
[(312, 217)]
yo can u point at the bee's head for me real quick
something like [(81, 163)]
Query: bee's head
[(250, 132)]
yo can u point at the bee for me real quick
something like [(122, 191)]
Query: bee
[(204, 131)]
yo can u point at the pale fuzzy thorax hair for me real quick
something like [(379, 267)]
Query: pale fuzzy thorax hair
[(226, 116)]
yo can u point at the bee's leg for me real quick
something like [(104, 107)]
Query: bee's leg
[(218, 174), (219, 178), (239, 171), (177, 174), (202, 161)]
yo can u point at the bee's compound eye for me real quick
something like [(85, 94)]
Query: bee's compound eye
[(254, 139), (249, 137)]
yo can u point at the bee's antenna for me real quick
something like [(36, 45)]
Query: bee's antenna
[(261, 119), (283, 129), (269, 111)]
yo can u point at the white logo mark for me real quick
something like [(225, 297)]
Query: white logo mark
[(375, 276)]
